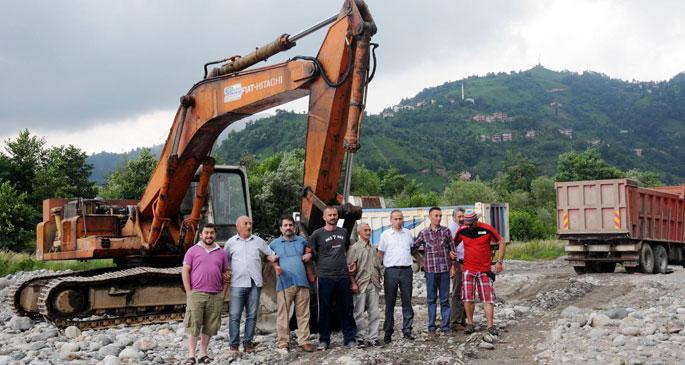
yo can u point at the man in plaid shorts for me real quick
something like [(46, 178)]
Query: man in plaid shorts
[(477, 267)]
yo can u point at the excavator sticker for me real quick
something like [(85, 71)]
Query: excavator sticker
[(233, 93)]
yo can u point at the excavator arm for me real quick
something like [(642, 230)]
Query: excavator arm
[(335, 81)]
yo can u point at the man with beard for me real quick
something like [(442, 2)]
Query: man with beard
[(204, 267), (329, 245), (292, 287), (478, 275)]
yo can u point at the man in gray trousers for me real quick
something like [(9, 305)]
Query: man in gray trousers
[(362, 259)]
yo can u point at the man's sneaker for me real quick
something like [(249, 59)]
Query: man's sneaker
[(307, 347), (387, 339), (409, 336), (362, 344), (248, 347), (233, 348), (493, 331), (373, 343), (351, 345), (322, 346), (469, 329)]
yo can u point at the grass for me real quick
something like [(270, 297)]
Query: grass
[(11, 262), (535, 250)]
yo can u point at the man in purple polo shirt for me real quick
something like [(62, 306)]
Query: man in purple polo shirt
[(204, 266)]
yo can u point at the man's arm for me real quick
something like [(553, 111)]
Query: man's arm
[(499, 266), (185, 275)]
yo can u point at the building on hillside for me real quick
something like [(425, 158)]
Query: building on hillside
[(465, 176), (638, 152), (470, 100), (387, 113), (530, 133), (507, 137), (496, 138), (567, 132), (595, 142)]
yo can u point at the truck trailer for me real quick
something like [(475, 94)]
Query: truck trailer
[(615, 221)]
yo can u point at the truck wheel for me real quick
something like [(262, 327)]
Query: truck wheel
[(580, 270), (660, 260), (646, 259)]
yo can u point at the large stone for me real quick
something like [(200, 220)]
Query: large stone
[(109, 350), (19, 323), (648, 329), (111, 360), (124, 340), (68, 350), (619, 340), (144, 344), (521, 309), (629, 331), (486, 345), (4, 359), (571, 311), (617, 313), (599, 320), (45, 334), (72, 332), (4, 283), (131, 353), (104, 339), (680, 310), (598, 332)]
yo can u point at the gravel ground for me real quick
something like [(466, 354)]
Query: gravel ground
[(547, 315)]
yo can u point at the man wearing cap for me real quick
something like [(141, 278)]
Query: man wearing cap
[(477, 267), (457, 314)]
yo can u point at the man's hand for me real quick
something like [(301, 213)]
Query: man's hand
[(355, 288), (272, 258), (499, 267), (278, 269), (227, 276), (453, 255), (307, 257), (352, 267), (453, 271)]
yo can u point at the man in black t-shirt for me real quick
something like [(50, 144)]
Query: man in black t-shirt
[(329, 246)]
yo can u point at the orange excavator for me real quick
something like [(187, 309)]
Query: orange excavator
[(147, 239)]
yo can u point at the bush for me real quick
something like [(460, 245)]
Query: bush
[(525, 226), (535, 250)]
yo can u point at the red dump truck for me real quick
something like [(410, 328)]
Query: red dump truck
[(614, 221)]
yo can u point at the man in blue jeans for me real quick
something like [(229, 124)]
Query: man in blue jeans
[(329, 246), (245, 252), (435, 241)]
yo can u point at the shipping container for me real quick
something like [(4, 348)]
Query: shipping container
[(615, 221), (416, 219)]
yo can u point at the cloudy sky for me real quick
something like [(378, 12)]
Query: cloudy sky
[(106, 75)]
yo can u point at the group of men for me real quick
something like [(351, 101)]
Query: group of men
[(349, 275)]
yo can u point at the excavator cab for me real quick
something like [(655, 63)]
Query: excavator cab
[(228, 199)]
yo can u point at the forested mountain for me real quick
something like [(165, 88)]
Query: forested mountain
[(538, 113)]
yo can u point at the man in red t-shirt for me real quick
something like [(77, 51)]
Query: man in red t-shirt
[(477, 265)]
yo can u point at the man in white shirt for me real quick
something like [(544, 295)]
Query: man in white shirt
[(457, 314), (394, 250), (245, 252)]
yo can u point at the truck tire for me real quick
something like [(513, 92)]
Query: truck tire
[(660, 260), (646, 259)]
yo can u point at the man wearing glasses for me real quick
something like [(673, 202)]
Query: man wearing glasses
[(362, 259)]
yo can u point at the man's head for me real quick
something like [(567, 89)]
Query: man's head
[(330, 216), (287, 226), (470, 217), (458, 216), (364, 231), (244, 226), (397, 219), (435, 216), (208, 234)]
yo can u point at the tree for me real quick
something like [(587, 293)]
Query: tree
[(644, 178), (519, 172), (542, 191), (468, 192), (276, 189), (525, 226), (129, 180), (365, 181), (24, 157), (587, 165), (64, 173), (392, 182), (17, 218)]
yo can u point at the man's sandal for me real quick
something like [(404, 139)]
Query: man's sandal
[(205, 360), (189, 361)]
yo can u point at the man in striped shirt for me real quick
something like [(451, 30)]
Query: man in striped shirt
[(435, 241)]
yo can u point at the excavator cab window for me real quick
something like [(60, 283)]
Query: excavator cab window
[(228, 199)]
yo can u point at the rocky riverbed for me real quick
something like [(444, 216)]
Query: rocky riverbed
[(547, 315)]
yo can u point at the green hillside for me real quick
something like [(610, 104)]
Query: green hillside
[(434, 135)]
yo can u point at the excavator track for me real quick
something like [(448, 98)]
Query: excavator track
[(141, 295), (15, 291)]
